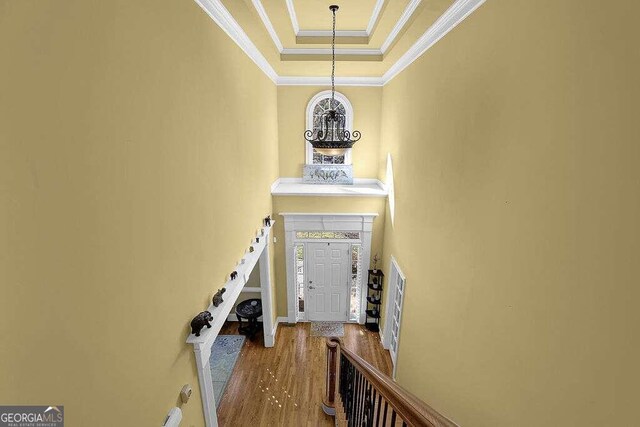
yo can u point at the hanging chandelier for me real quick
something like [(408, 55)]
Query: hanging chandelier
[(331, 138)]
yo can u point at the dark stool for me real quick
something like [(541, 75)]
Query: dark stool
[(250, 309)]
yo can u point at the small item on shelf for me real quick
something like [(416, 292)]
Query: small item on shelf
[(262, 231), (267, 220), (200, 321), (251, 248), (217, 298), (234, 275), (375, 263), (257, 240)]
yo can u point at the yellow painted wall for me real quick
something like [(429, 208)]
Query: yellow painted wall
[(515, 141), (131, 182), (252, 282), (292, 110), (290, 204)]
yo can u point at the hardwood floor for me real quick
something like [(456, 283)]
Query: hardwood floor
[(284, 385)]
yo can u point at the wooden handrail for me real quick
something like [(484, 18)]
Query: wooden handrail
[(409, 408)]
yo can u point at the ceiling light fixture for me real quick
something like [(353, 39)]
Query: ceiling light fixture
[(331, 138)]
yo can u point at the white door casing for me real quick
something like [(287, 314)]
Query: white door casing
[(393, 313), (293, 222), (327, 281)]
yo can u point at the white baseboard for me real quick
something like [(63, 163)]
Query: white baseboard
[(271, 341), (382, 340)]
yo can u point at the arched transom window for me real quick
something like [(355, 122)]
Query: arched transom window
[(318, 105)]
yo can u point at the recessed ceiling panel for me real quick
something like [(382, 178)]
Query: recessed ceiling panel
[(398, 25)]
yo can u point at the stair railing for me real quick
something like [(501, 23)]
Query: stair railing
[(358, 394)]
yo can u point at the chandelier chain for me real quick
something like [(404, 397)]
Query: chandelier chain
[(329, 136), (333, 61)]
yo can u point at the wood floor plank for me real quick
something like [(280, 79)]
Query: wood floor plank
[(284, 385)]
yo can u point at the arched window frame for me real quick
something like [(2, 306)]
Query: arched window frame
[(348, 108)]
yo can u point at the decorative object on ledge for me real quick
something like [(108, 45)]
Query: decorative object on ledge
[(257, 240), (267, 221), (374, 298), (200, 321), (375, 263), (251, 249), (331, 138), (217, 298), (234, 275), (249, 309), (327, 174)]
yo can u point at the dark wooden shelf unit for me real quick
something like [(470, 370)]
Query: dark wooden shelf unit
[(374, 299)]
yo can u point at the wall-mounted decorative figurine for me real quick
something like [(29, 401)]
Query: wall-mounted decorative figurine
[(267, 221), (217, 298), (200, 321), (234, 275)]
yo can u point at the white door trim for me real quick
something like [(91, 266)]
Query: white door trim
[(391, 295), (293, 222)]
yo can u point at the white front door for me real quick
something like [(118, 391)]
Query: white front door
[(327, 281)]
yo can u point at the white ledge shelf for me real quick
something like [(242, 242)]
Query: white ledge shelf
[(233, 289), (360, 188)]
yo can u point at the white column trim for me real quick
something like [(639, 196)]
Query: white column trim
[(202, 344), (265, 295)]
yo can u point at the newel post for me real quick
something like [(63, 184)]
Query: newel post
[(329, 401)]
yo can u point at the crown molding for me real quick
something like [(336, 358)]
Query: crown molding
[(404, 18), (267, 24), (293, 17), (374, 17), (326, 81), (221, 16), (453, 16), (457, 13), (322, 33), (358, 36), (327, 51), (329, 33)]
